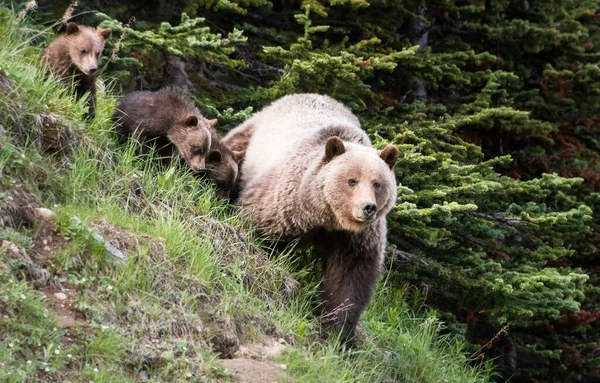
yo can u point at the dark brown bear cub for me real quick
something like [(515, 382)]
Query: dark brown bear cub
[(222, 165), (168, 114), (75, 54)]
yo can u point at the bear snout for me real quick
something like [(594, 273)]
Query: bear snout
[(198, 166), (369, 210), (93, 69)]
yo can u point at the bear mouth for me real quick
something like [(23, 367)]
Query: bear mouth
[(364, 220)]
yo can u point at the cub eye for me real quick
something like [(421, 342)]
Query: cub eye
[(199, 151), (83, 51), (98, 55), (352, 182), (376, 185)]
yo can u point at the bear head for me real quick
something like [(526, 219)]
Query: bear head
[(85, 45), (358, 183), (191, 137), (222, 167)]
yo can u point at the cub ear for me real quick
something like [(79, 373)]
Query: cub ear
[(105, 33), (72, 28), (213, 157), (389, 154), (238, 155), (191, 120), (334, 147), (212, 123)]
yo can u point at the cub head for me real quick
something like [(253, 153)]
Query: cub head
[(192, 139), (222, 167), (85, 45), (358, 182)]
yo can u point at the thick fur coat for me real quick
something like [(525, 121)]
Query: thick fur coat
[(222, 166), (75, 54), (168, 114), (310, 170)]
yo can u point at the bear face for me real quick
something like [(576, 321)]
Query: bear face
[(358, 184), (222, 167), (192, 139), (85, 45)]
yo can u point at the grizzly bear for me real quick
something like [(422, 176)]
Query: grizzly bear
[(310, 171), (75, 54), (222, 165), (169, 117)]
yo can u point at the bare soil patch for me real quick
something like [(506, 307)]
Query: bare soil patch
[(255, 371)]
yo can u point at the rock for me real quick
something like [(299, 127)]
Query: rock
[(40, 276), (270, 348), (113, 254), (45, 214), (60, 296)]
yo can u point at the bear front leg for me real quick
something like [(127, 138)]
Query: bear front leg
[(352, 264), (92, 103), (85, 84)]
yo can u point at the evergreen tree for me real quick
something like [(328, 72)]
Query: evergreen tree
[(494, 107)]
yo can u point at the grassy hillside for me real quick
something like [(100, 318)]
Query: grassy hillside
[(197, 282)]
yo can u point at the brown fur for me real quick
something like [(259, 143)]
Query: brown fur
[(75, 54), (222, 165), (310, 170), (166, 114)]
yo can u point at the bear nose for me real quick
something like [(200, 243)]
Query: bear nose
[(369, 210), (93, 69)]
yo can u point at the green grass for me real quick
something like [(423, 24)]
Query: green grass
[(196, 272)]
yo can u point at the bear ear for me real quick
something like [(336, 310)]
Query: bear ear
[(213, 157), (389, 154), (105, 33), (238, 155), (72, 28), (212, 123), (191, 120), (334, 147)]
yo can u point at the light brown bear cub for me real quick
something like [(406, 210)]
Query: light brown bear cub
[(75, 54), (310, 171), (171, 118)]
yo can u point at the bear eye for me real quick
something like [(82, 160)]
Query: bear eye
[(352, 182), (83, 51), (97, 55), (376, 185), (199, 151)]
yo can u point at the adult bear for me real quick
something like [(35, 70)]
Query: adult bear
[(310, 171)]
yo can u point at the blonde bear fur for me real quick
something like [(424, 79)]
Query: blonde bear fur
[(310, 170)]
